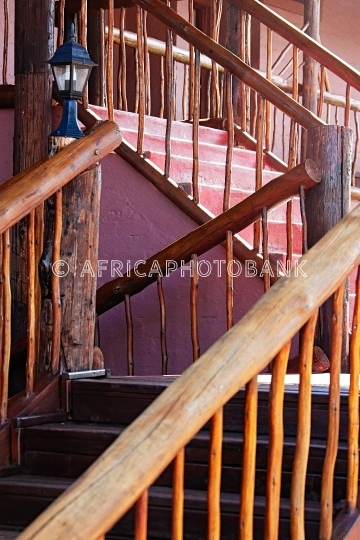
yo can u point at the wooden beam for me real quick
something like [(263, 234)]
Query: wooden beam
[(24, 192), (327, 204), (136, 459), (291, 33), (210, 234), (230, 62), (311, 67)]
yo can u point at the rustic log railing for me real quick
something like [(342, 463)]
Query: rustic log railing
[(20, 196), (196, 243), (134, 461)]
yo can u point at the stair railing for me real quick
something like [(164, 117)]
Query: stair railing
[(19, 198), (123, 476), (195, 244)]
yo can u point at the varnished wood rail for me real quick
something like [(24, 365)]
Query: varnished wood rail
[(295, 36), (211, 233), (25, 191), (134, 461)]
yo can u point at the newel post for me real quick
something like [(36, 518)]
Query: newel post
[(326, 204)]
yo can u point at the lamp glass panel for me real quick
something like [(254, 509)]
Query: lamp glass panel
[(80, 77), (62, 77)]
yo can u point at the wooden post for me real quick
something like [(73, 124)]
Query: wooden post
[(326, 204), (94, 44), (79, 249), (311, 67)]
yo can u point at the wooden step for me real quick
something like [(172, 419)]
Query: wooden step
[(67, 450), (22, 497), (119, 400)]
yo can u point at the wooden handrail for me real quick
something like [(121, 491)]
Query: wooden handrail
[(231, 62), (210, 234), (134, 461), (308, 45), (25, 191)]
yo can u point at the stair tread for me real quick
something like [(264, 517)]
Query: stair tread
[(37, 483)]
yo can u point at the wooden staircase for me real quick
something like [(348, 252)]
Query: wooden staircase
[(52, 454)]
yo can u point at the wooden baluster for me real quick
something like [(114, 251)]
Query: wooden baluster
[(174, 87), (216, 10), (6, 334), (297, 496), (286, 49), (274, 131), (268, 76), (322, 90), (60, 36), (303, 220), (328, 113), (177, 521), (31, 304), (248, 464), (129, 336), (248, 61), (6, 41), (229, 280), (276, 439), (255, 115), (260, 123), (141, 87), (191, 64), (162, 88), (102, 56), (265, 236), (185, 96), (164, 354), (213, 495), (353, 404), (141, 516), (230, 144), (196, 118), (83, 42), (356, 148), (347, 105), (327, 479), (110, 61), (169, 98), (146, 67), (122, 63), (283, 137), (55, 285), (242, 85), (336, 115), (194, 307)]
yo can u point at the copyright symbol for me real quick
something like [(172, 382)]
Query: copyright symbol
[(60, 268)]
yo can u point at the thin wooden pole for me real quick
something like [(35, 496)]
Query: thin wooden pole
[(102, 57), (55, 285), (129, 336), (196, 117), (169, 98), (303, 220), (83, 41), (276, 438), (265, 237), (229, 280), (60, 37), (353, 427), (213, 496), (356, 148), (146, 66), (248, 464), (141, 75), (110, 61), (230, 144), (327, 479), (31, 306), (177, 523), (347, 105), (162, 88), (268, 76), (141, 517), (164, 354), (194, 306), (6, 41), (260, 124), (5, 365), (297, 496), (122, 63), (191, 63)]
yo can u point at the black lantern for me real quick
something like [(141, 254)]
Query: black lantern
[(71, 65)]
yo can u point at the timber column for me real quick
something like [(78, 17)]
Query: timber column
[(326, 204), (34, 31)]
